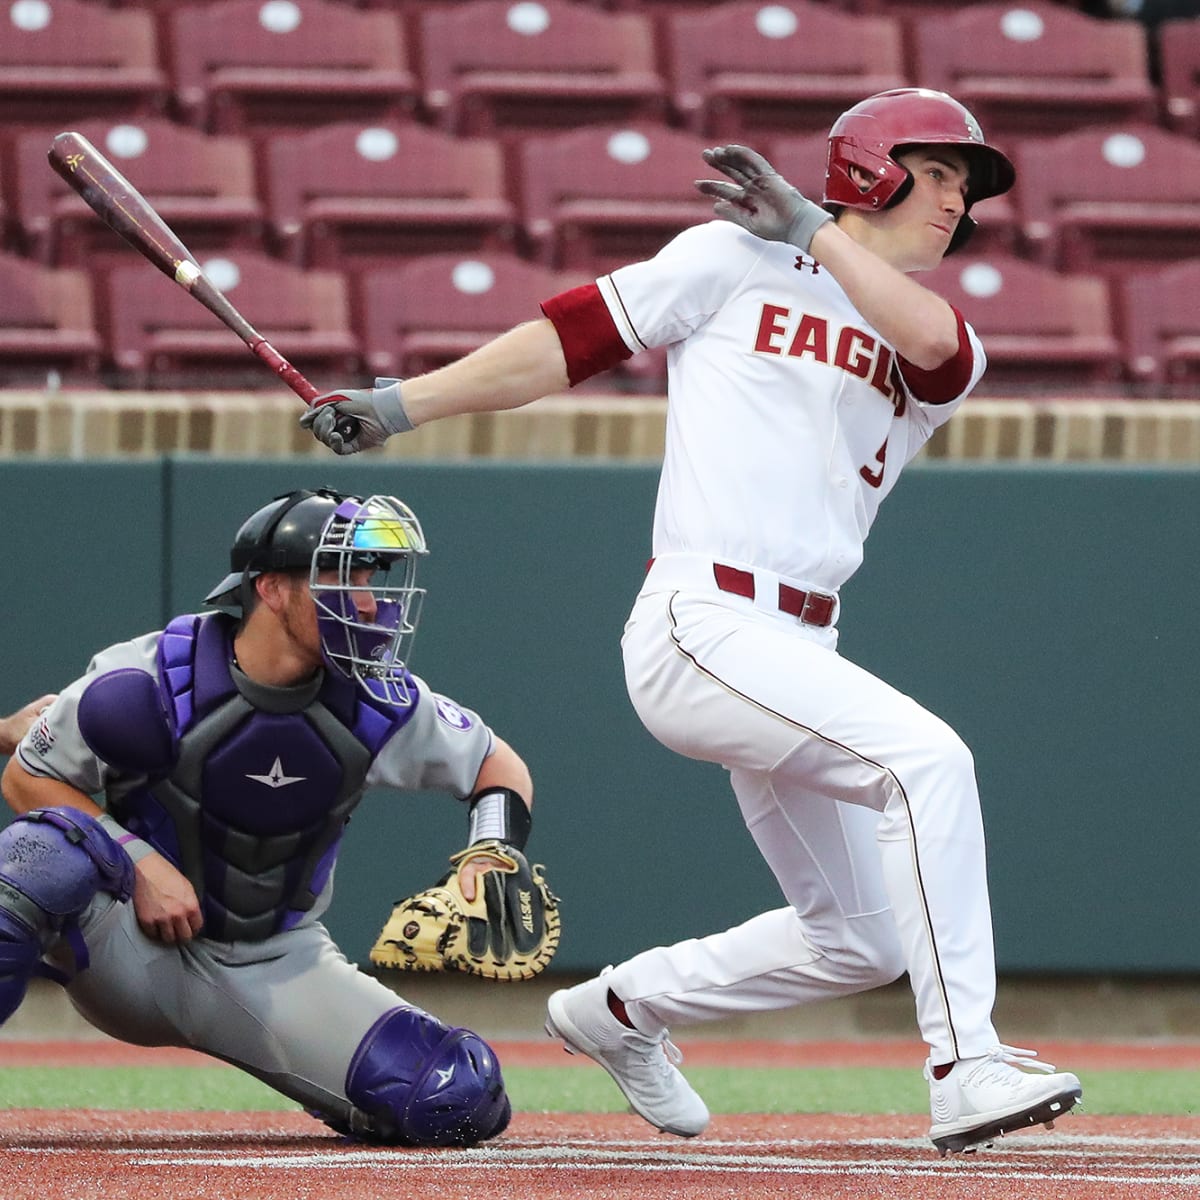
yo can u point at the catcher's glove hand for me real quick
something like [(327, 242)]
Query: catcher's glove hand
[(509, 931)]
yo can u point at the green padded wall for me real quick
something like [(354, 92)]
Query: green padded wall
[(1046, 613)]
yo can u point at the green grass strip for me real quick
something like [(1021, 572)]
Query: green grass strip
[(553, 1089), (184, 1089)]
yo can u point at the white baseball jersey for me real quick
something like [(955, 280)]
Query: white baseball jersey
[(788, 417)]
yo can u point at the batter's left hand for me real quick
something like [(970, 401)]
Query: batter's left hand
[(759, 199)]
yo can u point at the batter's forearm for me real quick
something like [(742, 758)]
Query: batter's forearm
[(25, 792), (519, 366), (917, 322)]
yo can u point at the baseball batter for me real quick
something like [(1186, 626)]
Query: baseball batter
[(230, 751), (806, 367)]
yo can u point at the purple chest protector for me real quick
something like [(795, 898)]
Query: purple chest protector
[(260, 782)]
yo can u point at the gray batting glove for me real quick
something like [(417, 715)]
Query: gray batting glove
[(759, 199), (375, 414)]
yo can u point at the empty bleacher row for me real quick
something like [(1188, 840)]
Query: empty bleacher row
[(381, 187)]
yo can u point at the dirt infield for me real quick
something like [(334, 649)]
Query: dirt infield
[(219, 1156), (93, 1155)]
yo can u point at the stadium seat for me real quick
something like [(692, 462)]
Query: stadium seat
[(1179, 65), (246, 66), (606, 195), (1109, 197), (63, 60), (1038, 327), (202, 185), (342, 193), (158, 335), (434, 309), (746, 67), (491, 65), (8, 223), (1035, 68), (1160, 323), (46, 324)]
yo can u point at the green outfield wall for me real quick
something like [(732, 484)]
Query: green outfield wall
[(1049, 614)]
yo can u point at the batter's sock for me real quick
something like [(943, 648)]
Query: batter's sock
[(942, 1070), (617, 1008)]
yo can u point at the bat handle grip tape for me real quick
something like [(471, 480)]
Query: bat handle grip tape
[(347, 426)]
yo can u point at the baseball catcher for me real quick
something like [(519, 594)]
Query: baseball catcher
[(491, 914)]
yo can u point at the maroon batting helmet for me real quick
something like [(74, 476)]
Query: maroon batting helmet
[(870, 134)]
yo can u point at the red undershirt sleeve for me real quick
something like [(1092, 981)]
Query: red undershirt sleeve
[(589, 337), (944, 383)]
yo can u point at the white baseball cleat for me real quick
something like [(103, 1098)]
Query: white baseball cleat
[(984, 1098), (642, 1066)]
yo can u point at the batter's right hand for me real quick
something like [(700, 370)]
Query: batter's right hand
[(164, 901), (379, 412)]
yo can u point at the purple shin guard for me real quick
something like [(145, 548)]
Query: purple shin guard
[(425, 1084)]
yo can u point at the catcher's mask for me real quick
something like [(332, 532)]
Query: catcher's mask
[(874, 131), (366, 625)]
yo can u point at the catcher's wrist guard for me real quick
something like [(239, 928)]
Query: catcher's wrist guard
[(509, 931), (499, 814)]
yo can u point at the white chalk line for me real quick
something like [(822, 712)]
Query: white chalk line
[(1178, 1168)]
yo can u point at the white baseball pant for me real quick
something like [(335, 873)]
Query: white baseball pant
[(863, 804)]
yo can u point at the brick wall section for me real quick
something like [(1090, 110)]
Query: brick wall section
[(104, 424)]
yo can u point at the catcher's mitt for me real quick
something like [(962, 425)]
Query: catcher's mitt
[(509, 931)]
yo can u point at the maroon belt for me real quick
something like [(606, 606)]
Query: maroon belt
[(813, 608)]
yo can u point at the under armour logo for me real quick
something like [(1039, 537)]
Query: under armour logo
[(807, 264), (445, 1076), (275, 777)]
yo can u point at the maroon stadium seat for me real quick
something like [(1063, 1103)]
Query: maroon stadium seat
[(533, 64), (746, 67), (63, 60), (605, 195), (158, 334), (1179, 63), (1037, 326), (1034, 67), (1109, 197), (434, 309), (1160, 323), (202, 185), (46, 323), (241, 64), (345, 192)]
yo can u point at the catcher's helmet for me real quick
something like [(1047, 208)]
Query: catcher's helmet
[(870, 134), (330, 535), (280, 536)]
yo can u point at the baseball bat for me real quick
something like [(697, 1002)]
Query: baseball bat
[(126, 211)]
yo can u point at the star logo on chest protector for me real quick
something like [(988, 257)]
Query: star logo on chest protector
[(275, 778)]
